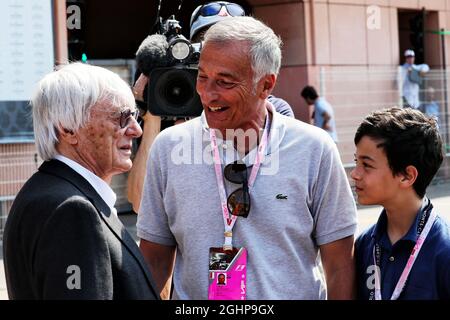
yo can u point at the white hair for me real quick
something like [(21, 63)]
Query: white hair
[(264, 45), (63, 100)]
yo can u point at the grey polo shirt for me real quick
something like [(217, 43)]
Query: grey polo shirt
[(181, 207)]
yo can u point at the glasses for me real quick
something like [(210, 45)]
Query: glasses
[(125, 117), (238, 202), (213, 8)]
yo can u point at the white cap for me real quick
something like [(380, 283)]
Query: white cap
[(409, 53)]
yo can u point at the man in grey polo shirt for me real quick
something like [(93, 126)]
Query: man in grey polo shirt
[(298, 204)]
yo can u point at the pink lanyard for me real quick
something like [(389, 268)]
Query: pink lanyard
[(229, 219), (412, 258)]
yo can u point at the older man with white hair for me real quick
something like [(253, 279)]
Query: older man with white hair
[(63, 239)]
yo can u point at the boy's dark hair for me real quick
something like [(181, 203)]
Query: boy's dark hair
[(309, 92), (408, 137)]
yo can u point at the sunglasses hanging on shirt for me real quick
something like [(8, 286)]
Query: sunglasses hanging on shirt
[(238, 202)]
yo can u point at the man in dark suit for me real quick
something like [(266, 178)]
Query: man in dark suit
[(63, 239)]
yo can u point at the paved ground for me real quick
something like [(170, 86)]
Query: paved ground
[(440, 194)]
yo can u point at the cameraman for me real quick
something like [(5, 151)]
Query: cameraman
[(150, 128), (204, 16), (151, 55)]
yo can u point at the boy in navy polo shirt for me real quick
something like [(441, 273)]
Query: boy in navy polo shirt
[(406, 254)]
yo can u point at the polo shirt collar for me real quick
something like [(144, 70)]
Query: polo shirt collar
[(381, 227), (276, 134)]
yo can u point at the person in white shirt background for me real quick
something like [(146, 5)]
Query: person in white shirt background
[(410, 85)]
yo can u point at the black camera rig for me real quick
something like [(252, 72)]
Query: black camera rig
[(171, 90)]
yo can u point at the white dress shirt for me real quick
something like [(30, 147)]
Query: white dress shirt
[(102, 188)]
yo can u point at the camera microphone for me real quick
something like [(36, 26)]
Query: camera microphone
[(170, 62), (152, 53)]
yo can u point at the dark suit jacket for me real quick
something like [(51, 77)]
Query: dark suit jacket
[(61, 241)]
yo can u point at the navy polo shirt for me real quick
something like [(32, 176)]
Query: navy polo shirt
[(430, 275)]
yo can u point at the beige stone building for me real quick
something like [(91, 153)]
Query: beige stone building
[(351, 49)]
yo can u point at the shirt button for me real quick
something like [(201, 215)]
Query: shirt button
[(391, 259)]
